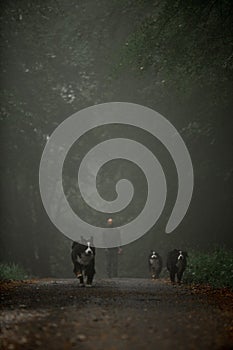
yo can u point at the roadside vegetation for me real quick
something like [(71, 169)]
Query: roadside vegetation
[(12, 272), (214, 268)]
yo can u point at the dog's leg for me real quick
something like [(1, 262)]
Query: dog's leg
[(79, 273), (90, 272), (89, 280), (81, 280), (172, 276), (179, 276)]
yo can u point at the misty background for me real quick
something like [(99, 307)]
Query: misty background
[(58, 57)]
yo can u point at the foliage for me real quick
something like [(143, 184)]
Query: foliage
[(214, 268), (12, 272), (183, 44)]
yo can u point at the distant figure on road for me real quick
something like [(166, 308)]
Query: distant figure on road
[(111, 254)]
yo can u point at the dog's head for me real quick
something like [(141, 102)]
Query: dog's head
[(84, 251), (86, 254), (154, 258), (182, 255), (88, 250), (153, 255), (181, 259), (87, 247)]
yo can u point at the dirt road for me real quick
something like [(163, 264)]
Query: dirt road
[(113, 314)]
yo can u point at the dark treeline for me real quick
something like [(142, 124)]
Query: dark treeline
[(58, 57)]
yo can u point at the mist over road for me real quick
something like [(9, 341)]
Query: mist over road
[(114, 314)]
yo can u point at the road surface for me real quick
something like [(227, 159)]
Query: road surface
[(113, 314)]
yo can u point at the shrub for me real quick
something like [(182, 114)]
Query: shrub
[(12, 272), (214, 268)]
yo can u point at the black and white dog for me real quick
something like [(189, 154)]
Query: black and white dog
[(155, 264), (83, 258), (176, 264)]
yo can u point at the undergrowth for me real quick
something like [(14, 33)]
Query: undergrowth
[(214, 268), (11, 271)]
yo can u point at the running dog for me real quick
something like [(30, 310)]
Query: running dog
[(176, 264), (83, 258), (155, 264)]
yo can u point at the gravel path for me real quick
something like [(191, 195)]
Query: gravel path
[(113, 314)]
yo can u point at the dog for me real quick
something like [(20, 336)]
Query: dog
[(83, 258), (155, 264), (176, 264)]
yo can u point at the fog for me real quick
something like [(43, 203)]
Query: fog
[(59, 57)]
